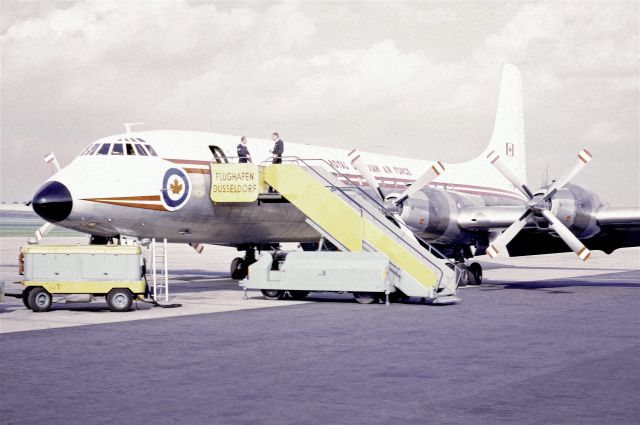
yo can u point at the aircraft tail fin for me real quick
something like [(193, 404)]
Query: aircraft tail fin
[(508, 131)]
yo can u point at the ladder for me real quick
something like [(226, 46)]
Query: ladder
[(160, 278), (354, 221)]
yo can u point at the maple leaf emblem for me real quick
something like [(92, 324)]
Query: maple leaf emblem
[(175, 187)]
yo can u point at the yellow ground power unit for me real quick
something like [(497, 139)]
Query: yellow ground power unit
[(80, 273)]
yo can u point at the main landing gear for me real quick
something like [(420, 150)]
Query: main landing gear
[(240, 265), (471, 274)]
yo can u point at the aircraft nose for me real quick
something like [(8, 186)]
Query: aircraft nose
[(53, 201)]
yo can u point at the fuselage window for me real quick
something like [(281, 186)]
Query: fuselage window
[(151, 150), (104, 150), (117, 149), (140, 150), (130, 150), (140, 140), (93, 149)]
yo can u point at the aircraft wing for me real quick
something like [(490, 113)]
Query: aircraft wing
[(618, 228)]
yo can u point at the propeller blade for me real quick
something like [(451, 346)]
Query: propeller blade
[(494, 158), (43, 230), (565, 234), (198, 247), (500, 243), (52, 161), (358, 164), (584, 157), (436, 169)]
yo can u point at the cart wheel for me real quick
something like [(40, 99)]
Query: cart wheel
[(119, 299), (272, 294), (298, 295), (39, 300), (25, 297), (366, 297), (398, 297)]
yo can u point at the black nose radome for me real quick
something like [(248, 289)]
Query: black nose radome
[(53, 201)]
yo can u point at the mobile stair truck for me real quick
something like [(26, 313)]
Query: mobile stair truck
[(377, 257), (80, 273)]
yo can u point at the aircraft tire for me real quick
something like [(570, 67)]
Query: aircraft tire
[(272, 294), (366, 297), (474, 272), (238, 269), (298, 295), (39, 300), (119, 299)]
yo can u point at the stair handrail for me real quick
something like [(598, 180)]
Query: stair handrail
[(429, 248)]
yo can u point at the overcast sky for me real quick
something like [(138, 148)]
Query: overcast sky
[(418, 79)]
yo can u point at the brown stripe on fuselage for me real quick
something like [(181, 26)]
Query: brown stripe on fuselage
[(196, 170), (130, 204), (127, 198), (187, 161)]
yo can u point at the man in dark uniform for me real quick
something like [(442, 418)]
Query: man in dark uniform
[(278, 148), (243, 151)]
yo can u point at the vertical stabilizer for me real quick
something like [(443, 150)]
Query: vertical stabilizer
[(508, 131)]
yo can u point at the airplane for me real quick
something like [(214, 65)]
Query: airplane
[(156, 184)]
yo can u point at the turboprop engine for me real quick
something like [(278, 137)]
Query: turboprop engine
[(575, 207)]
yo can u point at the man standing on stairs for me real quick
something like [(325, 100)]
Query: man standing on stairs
[(278, 149)]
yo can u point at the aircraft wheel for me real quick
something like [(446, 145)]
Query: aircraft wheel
[(366, 297), (119, 299), (238, 269), (39, 300), (474, 271), (298, 295), (272, 294)]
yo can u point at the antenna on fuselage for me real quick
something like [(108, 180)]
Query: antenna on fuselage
[(128, 125)]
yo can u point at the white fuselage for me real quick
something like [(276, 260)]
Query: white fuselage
[(123, 194)]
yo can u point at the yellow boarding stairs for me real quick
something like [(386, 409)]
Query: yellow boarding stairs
[(354, 222)]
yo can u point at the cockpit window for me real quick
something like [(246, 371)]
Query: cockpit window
[(151, 150), (140, 150), (130, 150), (104, 150), (93, 149), (117, 149)]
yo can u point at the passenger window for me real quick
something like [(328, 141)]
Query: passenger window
[(93, 149), (117, 149), (151, 150), (104, 150), (140, 150), (140, 140), (130, 150)]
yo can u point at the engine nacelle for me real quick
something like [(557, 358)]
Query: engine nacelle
[(576, 207), (435, 213)]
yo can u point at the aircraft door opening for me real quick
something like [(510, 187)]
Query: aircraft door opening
[(218, 155)]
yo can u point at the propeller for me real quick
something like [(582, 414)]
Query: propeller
[(540, 205), (50, 159), (421, 182)]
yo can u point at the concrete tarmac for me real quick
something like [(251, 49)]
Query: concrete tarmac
[(545, 339)]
